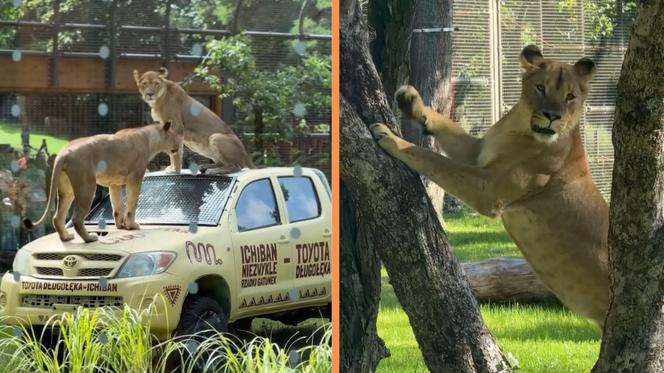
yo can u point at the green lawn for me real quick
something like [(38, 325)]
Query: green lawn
[(543, 338), (10, 133)]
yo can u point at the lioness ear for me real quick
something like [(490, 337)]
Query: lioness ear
[(531, 57), (137, 77), (585, 68), (164, 72), (167, 126)]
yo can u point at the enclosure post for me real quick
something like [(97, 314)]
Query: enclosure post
[(166, 56), (494, 35), (55, 61), (111, 62)]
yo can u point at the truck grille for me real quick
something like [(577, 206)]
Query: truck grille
[(47, 271), (93, 257), (95, 272), (88, 265), (91, 301)]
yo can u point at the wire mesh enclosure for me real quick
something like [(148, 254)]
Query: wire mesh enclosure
[(487, 72), (67, 72)]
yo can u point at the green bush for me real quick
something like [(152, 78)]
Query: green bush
[(112, 340)]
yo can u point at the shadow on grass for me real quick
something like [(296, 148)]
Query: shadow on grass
[(307, 333)]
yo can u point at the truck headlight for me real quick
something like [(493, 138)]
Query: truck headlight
[(22, 262), (145, 264)]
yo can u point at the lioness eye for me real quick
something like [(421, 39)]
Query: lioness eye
[(570, 97), (540, 88)]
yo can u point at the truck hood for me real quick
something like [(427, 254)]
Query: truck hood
[(111, 239)]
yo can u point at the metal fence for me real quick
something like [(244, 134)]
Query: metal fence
[(67, 72), (487, 73)]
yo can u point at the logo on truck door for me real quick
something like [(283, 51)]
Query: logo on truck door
[(202, 253)]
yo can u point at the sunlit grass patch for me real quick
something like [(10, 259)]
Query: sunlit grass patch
[(543, 338), (10, 133)]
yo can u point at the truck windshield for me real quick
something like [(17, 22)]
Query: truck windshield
[(174, 200)]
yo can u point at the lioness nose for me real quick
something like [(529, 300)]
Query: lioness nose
[(551, 116)]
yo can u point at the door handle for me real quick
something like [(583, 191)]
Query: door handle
[(327, 233), (283, 239)]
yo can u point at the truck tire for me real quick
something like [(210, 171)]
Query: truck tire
[(201, 314)]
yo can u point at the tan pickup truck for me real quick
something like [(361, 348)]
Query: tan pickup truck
[(212, 249)]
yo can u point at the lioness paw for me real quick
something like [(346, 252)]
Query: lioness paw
[(410, 102), (379, 131)]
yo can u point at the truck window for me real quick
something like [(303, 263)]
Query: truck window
[(257, 206), (301, 198)]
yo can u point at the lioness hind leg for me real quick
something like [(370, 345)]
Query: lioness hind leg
[(115, 191), (65, 198), (133, 190), (84, 192), (229, 151)]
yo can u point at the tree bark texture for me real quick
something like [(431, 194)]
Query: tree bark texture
[(391, 23), (506, 279), (430, 73), (396, 219), (633, 338), (361, 348)]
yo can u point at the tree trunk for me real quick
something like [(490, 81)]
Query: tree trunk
[(361, 348), (634, 328), (505, 279), (391, 21), (395, 217), (431, 68)]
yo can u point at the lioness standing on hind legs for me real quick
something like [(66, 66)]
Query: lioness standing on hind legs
[(204, 132), (531, 170), (107, 160)]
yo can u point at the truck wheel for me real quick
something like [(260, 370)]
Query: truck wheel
[(201, 314), (201, 317)]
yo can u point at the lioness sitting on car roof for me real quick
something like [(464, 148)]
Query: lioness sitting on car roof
[(108, 160), (204, 132)]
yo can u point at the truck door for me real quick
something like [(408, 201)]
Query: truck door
[(261, 244), (309, 220)]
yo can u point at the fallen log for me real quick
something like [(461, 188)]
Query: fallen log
[(505, 279)]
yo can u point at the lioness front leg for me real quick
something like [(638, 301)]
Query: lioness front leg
[(470, 184), (115, 192), (455, 142), (176, 160), (133, 189)]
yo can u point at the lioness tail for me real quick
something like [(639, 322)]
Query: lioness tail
[(57, 168)]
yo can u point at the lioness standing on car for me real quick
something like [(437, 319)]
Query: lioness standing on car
[(530, 169), (204, 132), (107, 160)]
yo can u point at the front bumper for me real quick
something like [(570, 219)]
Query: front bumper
[(33, 301)]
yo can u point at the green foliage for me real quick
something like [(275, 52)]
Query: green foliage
[(268, 98), (602, 15), (112, 340)]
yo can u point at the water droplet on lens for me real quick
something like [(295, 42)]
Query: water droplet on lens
[(193, 288), (102, 166), (103, 339), (195, 108), (16, 55), (299, 109), (102, 224), (193, 226), (193, 168), (14, 166), (295, 233), (16, 110), (102, 109), (104, 52), (16, 3), (300, 47), (17, 331), (196, 50), (293, 359), (103, 282), (15, 221), (297, 170), (17, 276), (293, 295)]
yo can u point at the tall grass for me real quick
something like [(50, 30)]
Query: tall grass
[(112, 340)]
